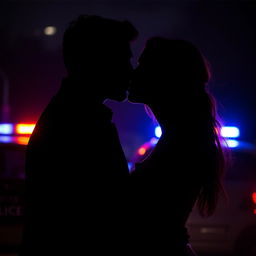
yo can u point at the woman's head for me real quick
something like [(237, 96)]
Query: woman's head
[(168, 69)]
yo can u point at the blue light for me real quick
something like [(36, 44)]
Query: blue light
[(5, 139), (232, 143), (158, 131), (6, 129), (230, 132), (130, 166)]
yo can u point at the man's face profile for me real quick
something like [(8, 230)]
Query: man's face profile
[(118, 71)]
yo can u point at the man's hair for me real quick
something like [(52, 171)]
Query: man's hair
[(91, 36)]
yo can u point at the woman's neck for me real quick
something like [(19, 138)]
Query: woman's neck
[(168, 119)]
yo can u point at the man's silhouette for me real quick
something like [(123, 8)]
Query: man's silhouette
[(76, 171)]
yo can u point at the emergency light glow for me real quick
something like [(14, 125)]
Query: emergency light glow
[(158, 131), (130, 165), (5, 139), (154, 141), (6, 129), (141, 151), (254, 197), (23, 140), (230, 132), (254, 201), (24, 128), (226, 132), (232, 143)]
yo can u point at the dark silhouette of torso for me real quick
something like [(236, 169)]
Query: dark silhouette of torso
[(76, 175), (164, 188)]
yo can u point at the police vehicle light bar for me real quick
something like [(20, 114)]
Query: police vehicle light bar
[(230, 132), (16, 129), (226, 132)]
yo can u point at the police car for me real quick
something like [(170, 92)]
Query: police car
[(13, 141), (232, 228)]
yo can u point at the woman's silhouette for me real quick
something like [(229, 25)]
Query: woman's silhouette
[(188, 162)]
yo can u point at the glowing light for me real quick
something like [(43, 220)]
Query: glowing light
[(141, 151), (130, 166), (158, 131), (232, 143), (23, 140), (5, 139), (230, 132), (6, 129), (24, 128), (50, 30), (154, 141), (254, 197), (254, 200)]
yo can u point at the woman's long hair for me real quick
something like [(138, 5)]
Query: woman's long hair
[(186, 65), (217, 156)]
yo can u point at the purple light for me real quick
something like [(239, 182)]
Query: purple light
[(5, 139), (154, 141)]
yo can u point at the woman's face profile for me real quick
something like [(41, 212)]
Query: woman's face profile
[(149, 80), (143, 81)]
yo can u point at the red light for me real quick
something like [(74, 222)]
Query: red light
[(23, 140), (254, 197), (141, 151), (254, 211), (24, 128)]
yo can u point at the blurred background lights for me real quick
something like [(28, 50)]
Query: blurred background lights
[(22, 140), (25, 128), (141, 151), (226, 132), (130, 165), (5, 139), (6, 128), (154, 141), (254, 197), (158, 131), (50, 30), (232, 143), (230, 132)]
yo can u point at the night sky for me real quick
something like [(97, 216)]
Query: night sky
[(225, 31)]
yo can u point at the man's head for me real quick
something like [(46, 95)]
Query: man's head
[(97, 50)]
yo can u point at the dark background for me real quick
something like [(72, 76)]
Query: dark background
[(223, 30)]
